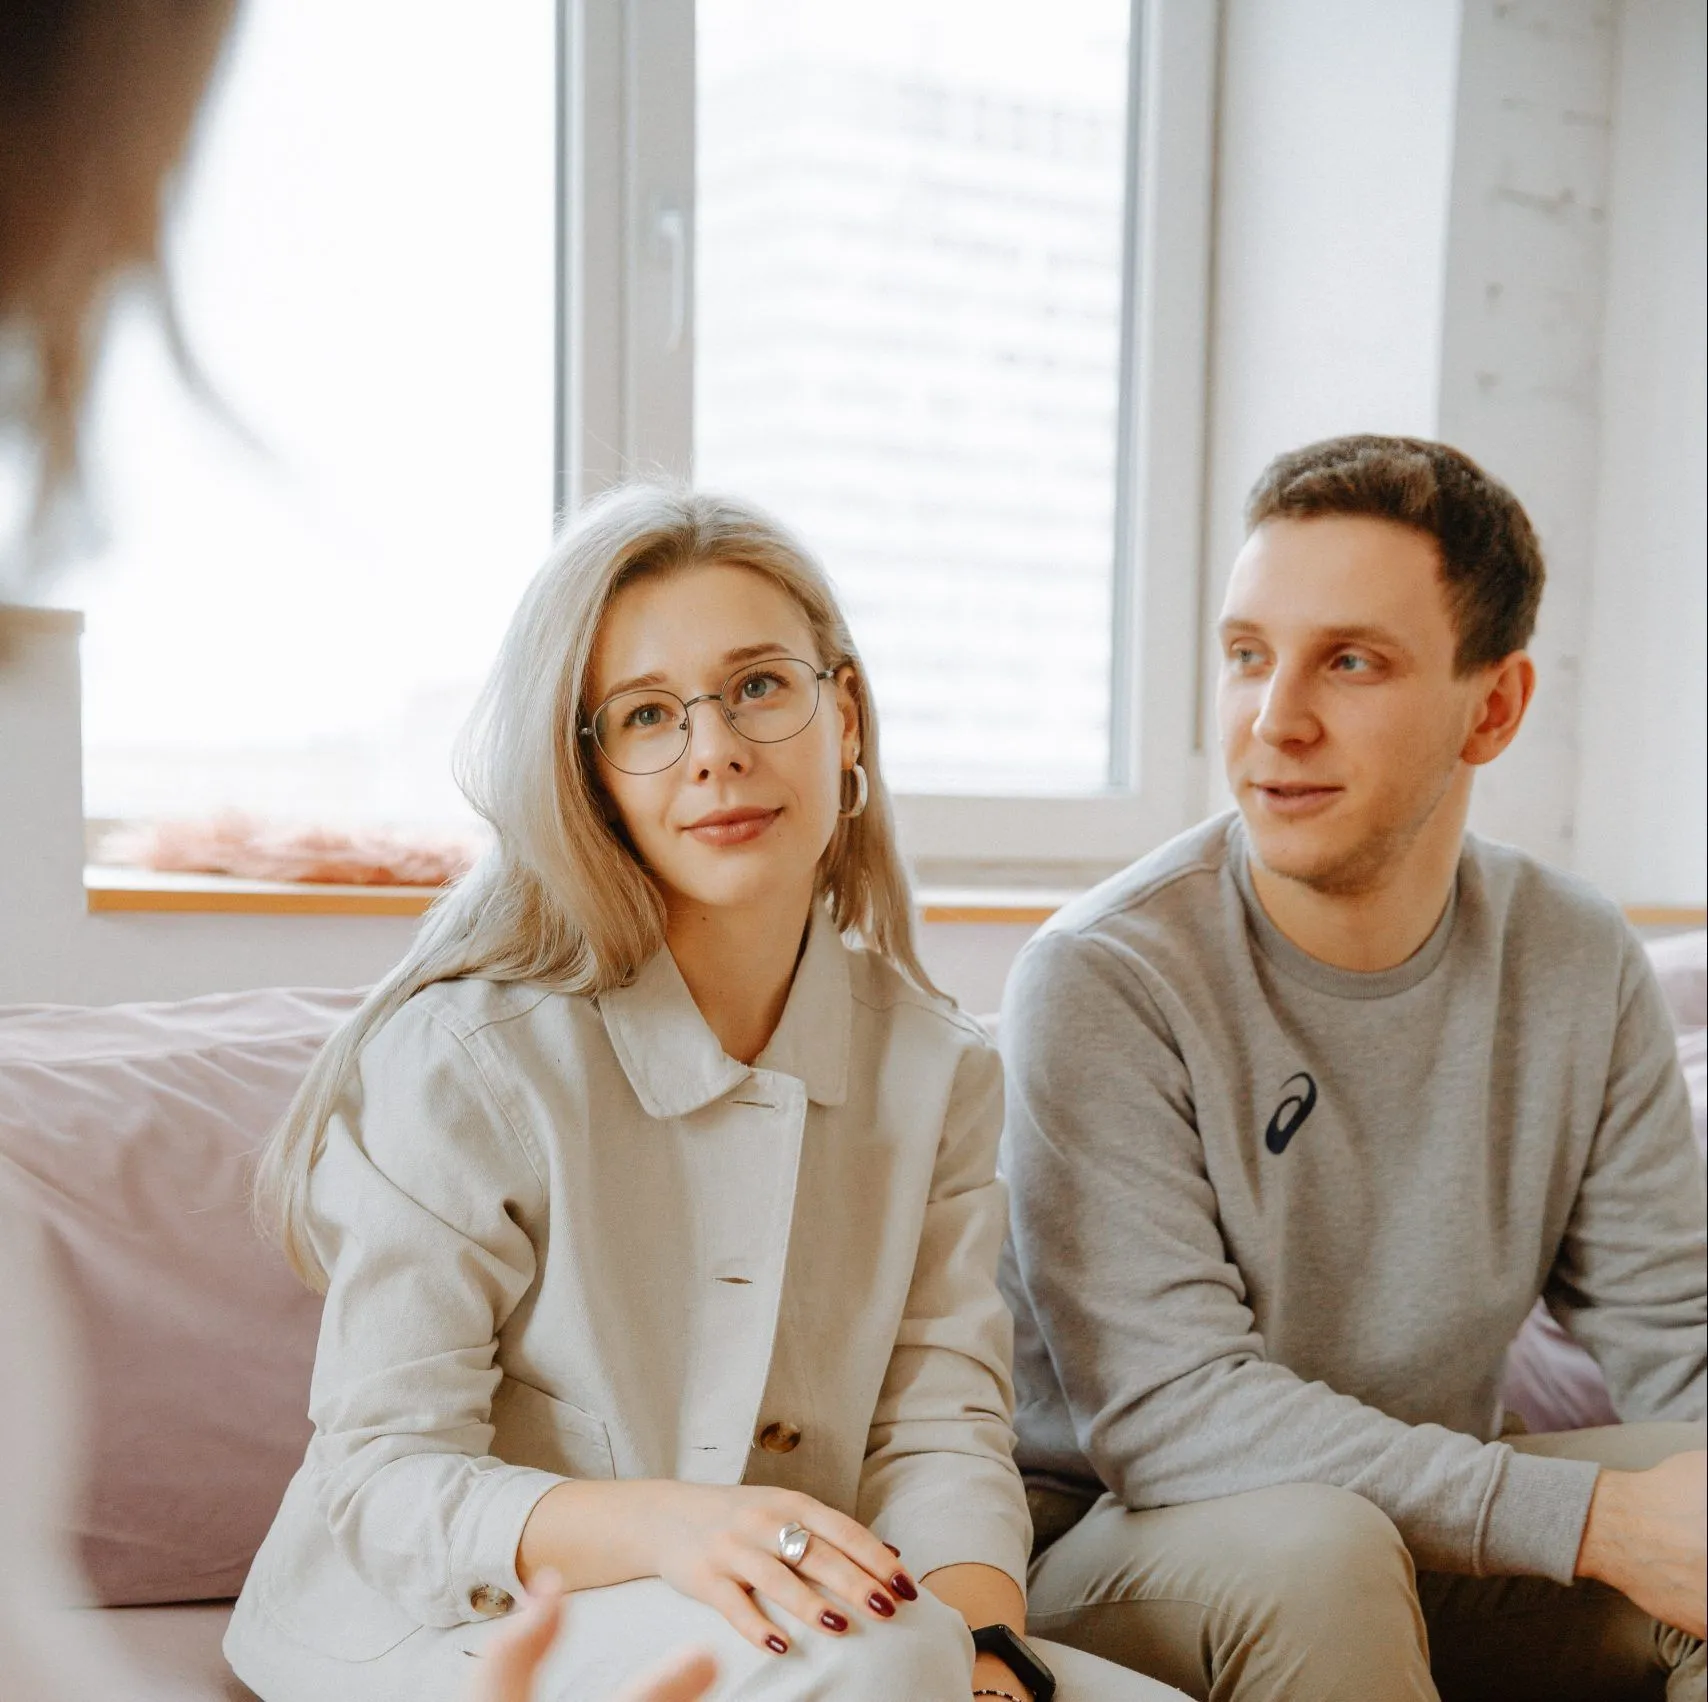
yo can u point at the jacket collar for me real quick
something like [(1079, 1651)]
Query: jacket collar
[(673, 1060)]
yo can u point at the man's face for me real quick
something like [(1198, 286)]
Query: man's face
[(1342, 720)]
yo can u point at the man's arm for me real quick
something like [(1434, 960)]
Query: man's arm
[(1118, 1250), (1630, 1280)]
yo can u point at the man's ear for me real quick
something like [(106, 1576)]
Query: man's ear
[(1505, 691)]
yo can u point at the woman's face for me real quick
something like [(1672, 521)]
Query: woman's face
[(732, 822)]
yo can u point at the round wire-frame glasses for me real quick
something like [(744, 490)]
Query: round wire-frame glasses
[(647, 730)]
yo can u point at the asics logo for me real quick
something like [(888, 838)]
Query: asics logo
[(1290, 1114)]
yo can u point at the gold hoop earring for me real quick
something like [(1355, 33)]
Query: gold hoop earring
[(861, 793)]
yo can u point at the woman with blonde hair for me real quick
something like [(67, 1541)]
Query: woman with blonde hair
[(658, 1221)]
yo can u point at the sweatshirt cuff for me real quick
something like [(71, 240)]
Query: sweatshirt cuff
[(487, 1534), (1535, 1518)]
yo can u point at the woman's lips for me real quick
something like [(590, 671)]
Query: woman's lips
[(1294, 800), (732, 827)]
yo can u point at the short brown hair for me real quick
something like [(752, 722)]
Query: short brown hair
[(1491, 562)]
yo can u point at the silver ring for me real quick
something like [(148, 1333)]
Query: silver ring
[(792, 1542)]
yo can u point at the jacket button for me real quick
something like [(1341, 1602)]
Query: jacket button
[(489, 1601), (780, 1438)]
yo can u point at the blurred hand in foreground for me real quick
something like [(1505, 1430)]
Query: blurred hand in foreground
[(514, 1659)]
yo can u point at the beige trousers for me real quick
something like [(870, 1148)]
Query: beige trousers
[(609, 1636), (1306, 1592)]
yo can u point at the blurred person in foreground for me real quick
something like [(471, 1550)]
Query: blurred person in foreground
[(1306, 1110), (98, 100)]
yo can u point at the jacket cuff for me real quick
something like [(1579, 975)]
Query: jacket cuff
[(486, 1535), (934, 1534), (1535, 1517)]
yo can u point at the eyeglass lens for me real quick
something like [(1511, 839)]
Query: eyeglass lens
[(644, 732)]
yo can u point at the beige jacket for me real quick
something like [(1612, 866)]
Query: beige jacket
[(570, 1237)]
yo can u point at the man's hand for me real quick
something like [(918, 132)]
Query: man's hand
[(513, 1662), (1645, 1537)]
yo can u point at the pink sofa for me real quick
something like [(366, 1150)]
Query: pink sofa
[(128, 1131)]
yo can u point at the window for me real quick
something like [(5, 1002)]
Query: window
[(907, 342), (364, 266), (927, 278)]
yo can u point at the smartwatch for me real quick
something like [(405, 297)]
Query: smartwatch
[(998, 1640)]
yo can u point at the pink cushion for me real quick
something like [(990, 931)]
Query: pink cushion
[(129, 1131), (180, 1645)]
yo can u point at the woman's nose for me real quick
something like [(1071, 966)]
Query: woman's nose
[(712, 742)]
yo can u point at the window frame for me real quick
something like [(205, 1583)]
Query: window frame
[(625, 342)]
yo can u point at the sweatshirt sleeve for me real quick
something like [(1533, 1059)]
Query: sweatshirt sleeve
[(1170, 1393), (939, 1479), (417, 1207), (1630, 1280)]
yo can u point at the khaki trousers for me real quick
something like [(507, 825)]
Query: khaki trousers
[(609, 1636), (1306, 1592)]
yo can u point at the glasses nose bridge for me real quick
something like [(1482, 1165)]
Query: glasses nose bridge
[(704, 697), (687, 722)]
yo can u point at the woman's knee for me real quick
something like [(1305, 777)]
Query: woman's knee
[(923, 1653)]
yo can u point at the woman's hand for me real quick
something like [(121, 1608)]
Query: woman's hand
[(719, 1545)]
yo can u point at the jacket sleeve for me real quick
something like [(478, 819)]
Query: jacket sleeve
[(417, 1207), (1630, 1280), (939, 1480), (1120, 1258)]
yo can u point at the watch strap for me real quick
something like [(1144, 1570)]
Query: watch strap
[(1017, 1654)]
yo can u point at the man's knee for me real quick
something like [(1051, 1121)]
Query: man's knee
[(1312, 1542)]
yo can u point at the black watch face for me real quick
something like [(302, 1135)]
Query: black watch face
[(998, 1640)]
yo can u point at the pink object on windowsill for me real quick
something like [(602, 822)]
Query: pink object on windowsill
[(250, 849)]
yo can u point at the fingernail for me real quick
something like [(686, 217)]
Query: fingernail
[(776, 1645), (882, 1606), (893, 1549), (904, 1587), (832, 1621)]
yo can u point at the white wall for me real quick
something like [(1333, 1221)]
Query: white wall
[(1521, 341), (1642, 792)]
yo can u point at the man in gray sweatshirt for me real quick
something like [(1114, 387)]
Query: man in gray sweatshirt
[(1306, 1109)]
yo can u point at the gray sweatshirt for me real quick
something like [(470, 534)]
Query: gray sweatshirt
[(1277, 1222)]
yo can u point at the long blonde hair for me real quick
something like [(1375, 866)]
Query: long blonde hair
[(559, 899)]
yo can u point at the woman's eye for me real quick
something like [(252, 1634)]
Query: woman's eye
[(645, 716), (1244, 656), (757, 686), (1349, 663)]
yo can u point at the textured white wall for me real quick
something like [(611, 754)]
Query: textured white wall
[(1642, 784), (1521, 346)]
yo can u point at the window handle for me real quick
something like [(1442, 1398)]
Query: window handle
[(671, 229)]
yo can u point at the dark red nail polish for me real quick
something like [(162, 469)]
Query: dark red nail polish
[(904, 1587), (881, 1605), (832, 1621), (776, 1645), (893, 1549)]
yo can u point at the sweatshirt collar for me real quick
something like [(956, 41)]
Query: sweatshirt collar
[(673, 1060), (1325, 977)]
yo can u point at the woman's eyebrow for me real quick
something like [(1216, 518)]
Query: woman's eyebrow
[(731, 658)]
